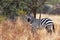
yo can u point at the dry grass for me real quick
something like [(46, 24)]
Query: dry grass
[(56, 20), (21, 30)]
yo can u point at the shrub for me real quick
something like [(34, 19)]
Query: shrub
[(2, 18), (21, 12)]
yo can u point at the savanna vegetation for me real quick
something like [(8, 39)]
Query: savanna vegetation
[(13, 27)]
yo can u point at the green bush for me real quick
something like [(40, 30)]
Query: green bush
[(21, 12), (2, 18)]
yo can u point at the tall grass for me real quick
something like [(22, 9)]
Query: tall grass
[(21, 30)]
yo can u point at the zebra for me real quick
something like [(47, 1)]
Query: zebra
[(44, 23)]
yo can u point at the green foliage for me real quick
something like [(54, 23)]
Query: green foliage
[(9, 7), (17, 7), (2, 18), (53, 1), (21, 12)]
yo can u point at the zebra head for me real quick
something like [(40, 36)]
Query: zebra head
[(29, 18)]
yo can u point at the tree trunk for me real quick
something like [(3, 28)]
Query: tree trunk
[(40, 16), (34, 12)]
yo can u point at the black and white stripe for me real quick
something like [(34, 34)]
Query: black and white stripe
[(44, 23)]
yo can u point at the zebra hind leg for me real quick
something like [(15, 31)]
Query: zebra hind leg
[(53, 28), (49, 30)]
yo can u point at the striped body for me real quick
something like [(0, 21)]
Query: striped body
[(44, 23)]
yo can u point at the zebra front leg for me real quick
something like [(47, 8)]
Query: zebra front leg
[(33, 31)]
